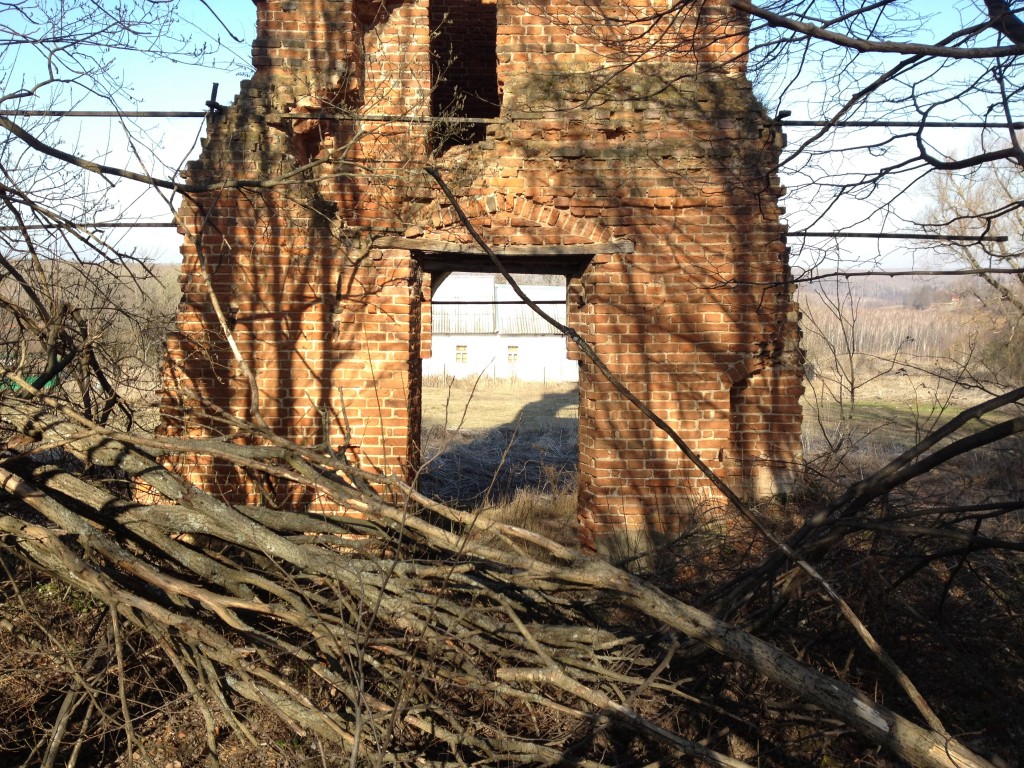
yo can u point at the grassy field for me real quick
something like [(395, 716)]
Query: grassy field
[(490, 440), (471, 405), (499, 442), (896, 407)]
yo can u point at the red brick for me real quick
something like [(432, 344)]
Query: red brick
[(310, 306)]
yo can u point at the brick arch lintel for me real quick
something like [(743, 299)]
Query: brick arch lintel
[(744, 369), (441, 216)]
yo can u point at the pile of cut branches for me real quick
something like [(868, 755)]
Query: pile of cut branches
[(397, 630)]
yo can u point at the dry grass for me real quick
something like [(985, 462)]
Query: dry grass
[(940, 609), (471, 404), (549, 513), (488, 441), (507, 449), (473, 467), (941, 606)]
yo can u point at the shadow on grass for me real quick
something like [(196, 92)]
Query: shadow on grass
[(469, 467)]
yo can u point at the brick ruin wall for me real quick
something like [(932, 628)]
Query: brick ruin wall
[(635, 161)]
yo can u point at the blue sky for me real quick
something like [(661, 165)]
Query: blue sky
[(162, 84), (180, 85), (155, 146), (815, 88)]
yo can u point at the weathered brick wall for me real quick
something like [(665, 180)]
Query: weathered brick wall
[(642, 170)]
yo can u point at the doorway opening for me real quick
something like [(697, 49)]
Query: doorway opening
[(500, 405)]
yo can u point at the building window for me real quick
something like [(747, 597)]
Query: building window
[(461, 356), (513, 355)]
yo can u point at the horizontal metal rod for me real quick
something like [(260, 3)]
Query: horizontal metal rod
[(807, 233), (812, 276), (92, 225), (326, 114), (95, 113), (322, 114), (898, 124), (490, 303), (875, 235), (906, 236)]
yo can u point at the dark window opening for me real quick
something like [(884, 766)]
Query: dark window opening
[(464, 70)]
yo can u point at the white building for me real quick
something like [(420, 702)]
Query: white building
[(479, 326)]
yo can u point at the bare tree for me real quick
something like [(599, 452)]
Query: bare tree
[(976, 201), (76, 305), (875, 96)]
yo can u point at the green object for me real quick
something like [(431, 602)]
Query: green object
[(7, 385)]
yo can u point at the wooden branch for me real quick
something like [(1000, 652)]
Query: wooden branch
[(940, 50)]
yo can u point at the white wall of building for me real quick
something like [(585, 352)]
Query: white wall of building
[(497, 340), (526, 358)]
